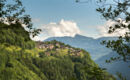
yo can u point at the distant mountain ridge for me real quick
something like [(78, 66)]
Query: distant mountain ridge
[(117, 66)]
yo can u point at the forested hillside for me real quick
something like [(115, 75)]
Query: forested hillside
[(23, 59), (15, 34)]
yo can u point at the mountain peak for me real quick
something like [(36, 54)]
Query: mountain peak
[(78, 35), (82, 36)]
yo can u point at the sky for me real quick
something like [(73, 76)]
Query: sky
[(58, 18)]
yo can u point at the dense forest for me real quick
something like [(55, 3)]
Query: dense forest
[(23, 59)]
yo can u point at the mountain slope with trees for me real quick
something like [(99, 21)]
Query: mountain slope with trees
[(22, 60)]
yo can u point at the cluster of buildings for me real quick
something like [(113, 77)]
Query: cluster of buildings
[(57, 46), (44, 45)]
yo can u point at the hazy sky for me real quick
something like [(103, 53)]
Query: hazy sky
[(64, 17)]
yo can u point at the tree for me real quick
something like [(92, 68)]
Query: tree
[(13, 13), (119, 12)]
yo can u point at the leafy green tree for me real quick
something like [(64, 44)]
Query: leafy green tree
[(13, 13), (119, 12)]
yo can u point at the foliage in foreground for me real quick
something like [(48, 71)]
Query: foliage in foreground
[(118, 12)]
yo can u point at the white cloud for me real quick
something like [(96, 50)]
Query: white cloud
[(103, 30), (60, 29), (35, 20)]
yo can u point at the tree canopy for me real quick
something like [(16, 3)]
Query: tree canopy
[(13, 12), (119, 12)]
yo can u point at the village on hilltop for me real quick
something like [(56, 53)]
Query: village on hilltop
[(56, 45)]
